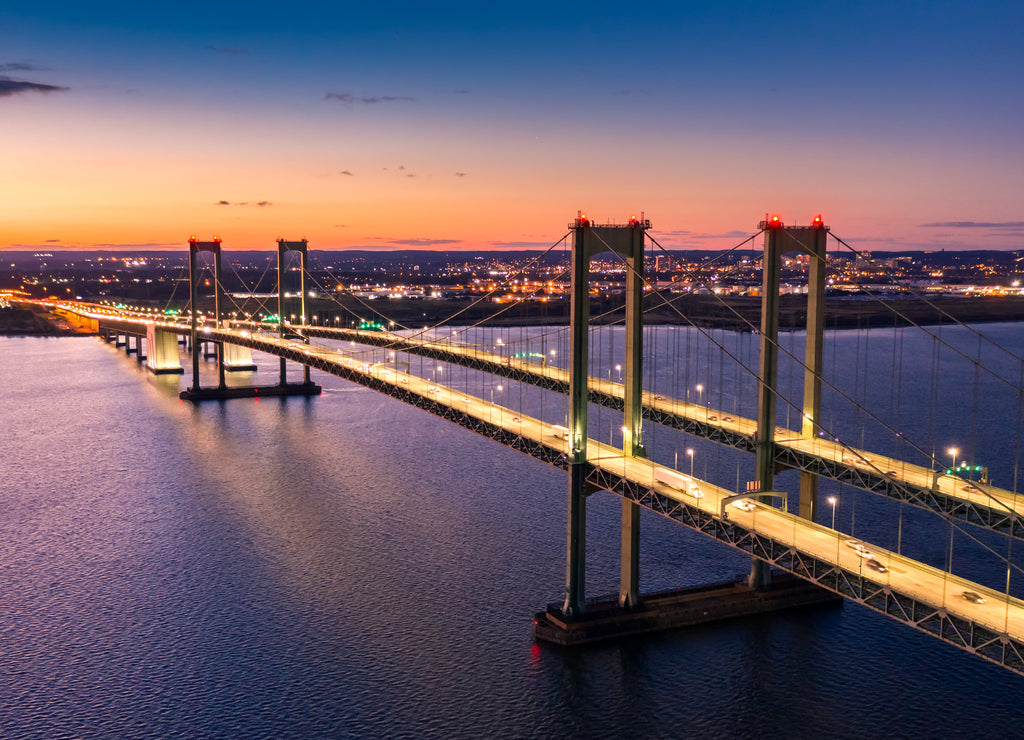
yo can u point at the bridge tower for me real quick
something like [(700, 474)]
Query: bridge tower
[(628, 241), (194, 247), (302, 247), (779, 240)]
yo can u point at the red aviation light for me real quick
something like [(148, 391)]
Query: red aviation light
[(817, 223), (775, 222), (584, 221)]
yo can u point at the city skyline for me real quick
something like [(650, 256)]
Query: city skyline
[(468, 127)]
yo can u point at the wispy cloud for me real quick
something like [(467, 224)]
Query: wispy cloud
[(349, 98), (734, 234), (400, 170), (260, 203), (51, 243), (346, 172), (20, 67), (975, 225), (142, 245), (520, 245), (9, 87), (229, 50), (418, 242), (462, 92), (460, 174)]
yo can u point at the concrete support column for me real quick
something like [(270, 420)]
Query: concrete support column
[(579, 320), (629, 573), (303, 261), (237, 357), (811, 419), (217, 308), (760, 573), (162, 351)]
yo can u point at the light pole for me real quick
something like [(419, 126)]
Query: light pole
[(832, 500), (689, 452), (953, 451), (618, 369), (700, 393)]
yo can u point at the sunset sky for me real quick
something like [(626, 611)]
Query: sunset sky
[(474, 126)]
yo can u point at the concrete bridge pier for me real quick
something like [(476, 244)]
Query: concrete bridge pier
[(162, 352), (237, 358)]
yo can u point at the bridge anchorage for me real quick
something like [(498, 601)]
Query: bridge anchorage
[(579, 620), (232, 356)]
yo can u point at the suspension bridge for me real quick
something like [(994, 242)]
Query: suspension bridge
[(562, 413)]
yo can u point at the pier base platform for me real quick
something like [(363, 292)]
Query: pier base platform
[(250, 391), (606, 620), (165, 370)]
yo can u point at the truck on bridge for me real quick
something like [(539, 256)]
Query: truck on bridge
[(678, 481)]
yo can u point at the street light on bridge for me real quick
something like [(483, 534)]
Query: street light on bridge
[(832, 500), (953, 451), (689, 452)]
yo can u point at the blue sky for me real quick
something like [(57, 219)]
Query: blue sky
[(394, 123)]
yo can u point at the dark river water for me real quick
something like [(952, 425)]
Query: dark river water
[(349, 566)]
